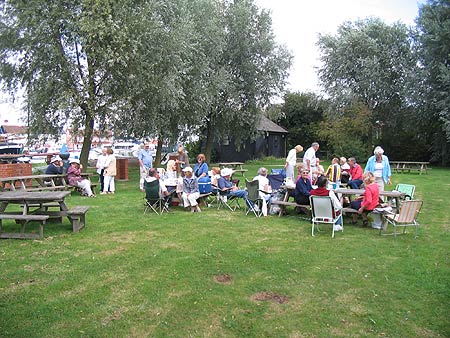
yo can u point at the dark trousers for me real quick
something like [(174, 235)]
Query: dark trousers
[(102, 179), (354, 184)]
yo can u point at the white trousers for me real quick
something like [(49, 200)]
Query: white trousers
[(85, 185), (108, 183), (143, 175), (190, 199)]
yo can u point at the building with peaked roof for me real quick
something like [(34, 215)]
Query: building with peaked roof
[(270, 142)]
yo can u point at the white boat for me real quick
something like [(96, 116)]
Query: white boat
[(126, 149)]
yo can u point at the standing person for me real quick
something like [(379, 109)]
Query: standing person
[(182, 160), (379, 165), (323, 191), (190, 193), (75, 179), (145, 163), (309, 159), (291, 161), (109, 173), (101, 165), (356, 174), (201, 167), (369, 201)]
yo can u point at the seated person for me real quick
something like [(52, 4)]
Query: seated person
[(264, 186), (171, 171), (153, 175), (369, 201), (303, 188), (201, 167), (225, 185), (75, 179), (323, 191), (190, 193), (215, 175), (334, 172), (300, 167), (55, 168), (356, 174), (345, 170)]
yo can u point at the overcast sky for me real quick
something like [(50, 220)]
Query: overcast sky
[(296, 24)]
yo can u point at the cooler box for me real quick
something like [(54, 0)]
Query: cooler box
[(204, 185)]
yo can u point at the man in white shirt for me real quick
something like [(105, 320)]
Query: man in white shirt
[(309, 159)]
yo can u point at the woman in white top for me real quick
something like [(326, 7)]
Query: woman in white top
[(379, 165), (100, 166), (291, 161), (264, 185)]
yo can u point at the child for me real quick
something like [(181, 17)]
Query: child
[(334, 172)]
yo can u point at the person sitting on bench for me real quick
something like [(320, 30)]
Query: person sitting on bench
[(75, 179)]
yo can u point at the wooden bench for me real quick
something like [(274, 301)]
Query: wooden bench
[(284, 204), (408, 166), (77, 216), (23, 219)]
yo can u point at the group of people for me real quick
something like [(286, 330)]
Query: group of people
[(376, 174), (106, 167)]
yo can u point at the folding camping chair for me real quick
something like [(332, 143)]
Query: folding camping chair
[(275, 181), (253, 201), (222, 198), (408, 189), (322, 211), (406, 217), (152, 199)]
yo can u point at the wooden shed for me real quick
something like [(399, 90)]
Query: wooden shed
[(270, 142)]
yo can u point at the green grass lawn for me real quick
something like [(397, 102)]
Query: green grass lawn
[(224, 274)]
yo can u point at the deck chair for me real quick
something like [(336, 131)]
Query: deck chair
[(275, 181), (406, 217), (322, 211), (152, 199), (408, 189), (253, 201), (222, 199)]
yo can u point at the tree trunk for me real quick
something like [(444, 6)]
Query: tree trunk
[(158, 152), (209, 142), (88, 131)]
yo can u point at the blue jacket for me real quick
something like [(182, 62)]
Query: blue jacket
[(200, 169), (370, 166), (302, 188)]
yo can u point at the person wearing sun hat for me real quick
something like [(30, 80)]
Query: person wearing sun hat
[(190, 193), (224, 184), (55, 167), (75, 179)]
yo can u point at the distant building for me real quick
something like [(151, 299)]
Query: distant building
[(271, 142)]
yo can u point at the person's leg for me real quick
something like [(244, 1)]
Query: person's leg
[(355, 205), (143, 175), (86, 186), (193, 201), (102, 179), (112, 185), (106, 184), (184, 196)]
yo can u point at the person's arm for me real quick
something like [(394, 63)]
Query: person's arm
[(367, 200)]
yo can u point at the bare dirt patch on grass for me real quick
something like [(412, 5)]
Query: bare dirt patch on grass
[(269, 296), (223, 279)]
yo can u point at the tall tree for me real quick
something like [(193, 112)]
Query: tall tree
[(64, 54), (433, 37), (245, 71), (301, 114), (370, 62)]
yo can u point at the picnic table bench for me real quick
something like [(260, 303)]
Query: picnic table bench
[(36, 208), (236, 166), (408, 166)]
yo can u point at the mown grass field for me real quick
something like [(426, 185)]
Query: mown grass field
[(224, 274)]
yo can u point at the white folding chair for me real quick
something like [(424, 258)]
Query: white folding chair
[(322, 211)]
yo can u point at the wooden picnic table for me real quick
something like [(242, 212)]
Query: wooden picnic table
[(236, 166), (403, 166), (33, 182), (391, 195), (36, 208)]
